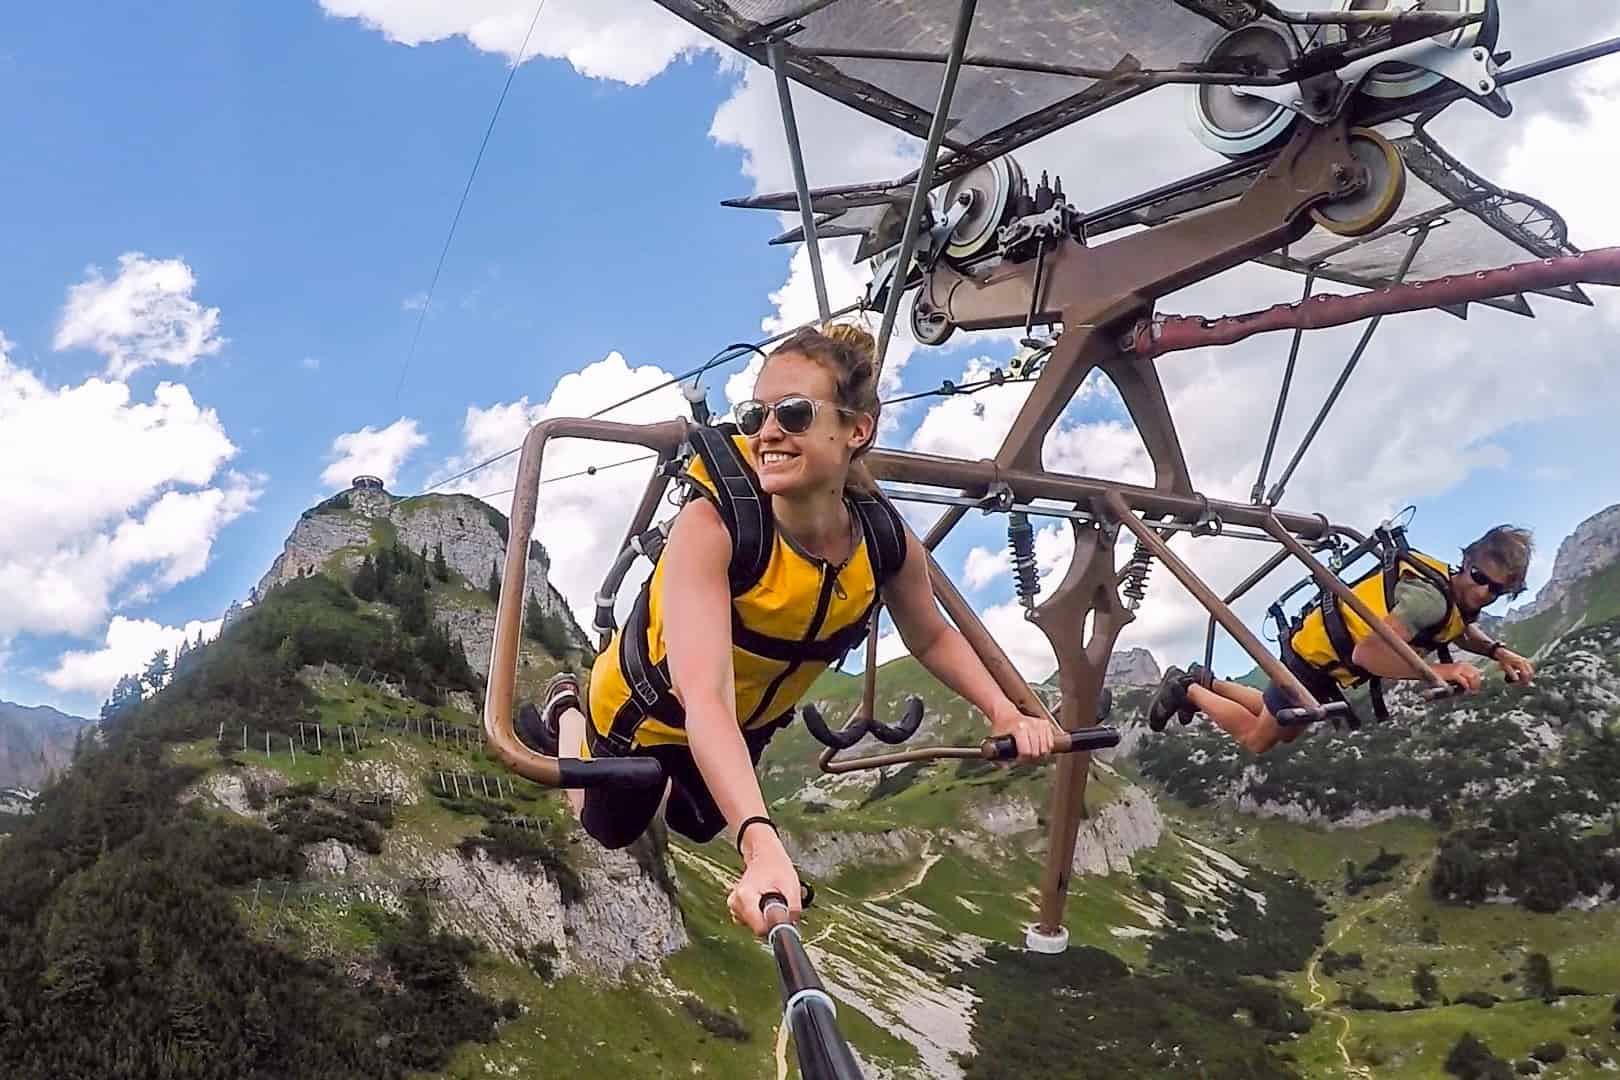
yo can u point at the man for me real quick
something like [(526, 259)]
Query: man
[(1330, 649)]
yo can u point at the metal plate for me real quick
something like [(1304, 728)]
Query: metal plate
[(1394, 81)]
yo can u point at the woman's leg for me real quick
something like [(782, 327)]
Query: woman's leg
[(570, 737)]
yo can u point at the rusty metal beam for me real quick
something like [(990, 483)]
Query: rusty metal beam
[(1154, 337), (1274, 668)]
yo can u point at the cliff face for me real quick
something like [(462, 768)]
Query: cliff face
[(1593, 546), (334, 537), (34, 743), (1132, 667)]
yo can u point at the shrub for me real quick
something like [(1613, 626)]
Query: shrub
[(1550, 1052), (1480, 999), (722, 1024)]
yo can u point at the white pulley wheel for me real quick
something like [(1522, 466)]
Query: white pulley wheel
[(992, 187), (1235, 124), (1373, 206), (1395, 81)]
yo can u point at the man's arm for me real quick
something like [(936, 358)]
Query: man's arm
[(1514, 667), (1418, 606)]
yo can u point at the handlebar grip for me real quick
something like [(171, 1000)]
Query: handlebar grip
[(1440, 693), (807, 896), (842, 739), (634, 772), (1100, 737), (910, 721), (1300, 715)]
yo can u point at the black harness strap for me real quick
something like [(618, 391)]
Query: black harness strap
[(741, 503)]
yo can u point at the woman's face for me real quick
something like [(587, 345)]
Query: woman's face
[(798, 462)]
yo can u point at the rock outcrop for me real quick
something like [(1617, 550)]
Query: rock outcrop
[(1108, 839), (1132, 667), (1593, 547), (334, 536)]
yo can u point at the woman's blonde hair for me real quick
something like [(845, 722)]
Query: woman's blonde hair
[(849, 353)]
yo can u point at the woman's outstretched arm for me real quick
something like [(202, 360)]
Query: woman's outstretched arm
[(942, 649), (697, 633)]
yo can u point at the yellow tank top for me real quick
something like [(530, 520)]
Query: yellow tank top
[(801, 615)]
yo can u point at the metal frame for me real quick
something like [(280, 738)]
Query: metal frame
[(1104, 297)]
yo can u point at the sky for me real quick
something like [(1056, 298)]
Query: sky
[(221, 223)]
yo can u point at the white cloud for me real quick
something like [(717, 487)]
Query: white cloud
[(142, 317), (581, 520), (104, 496), (372, 452), (627, 41), (125, 650), (311, 363)]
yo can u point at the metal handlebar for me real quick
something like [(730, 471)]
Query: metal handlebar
[(810, 1012)]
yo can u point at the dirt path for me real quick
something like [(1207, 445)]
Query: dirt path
[(929, 858), (1349, 920)]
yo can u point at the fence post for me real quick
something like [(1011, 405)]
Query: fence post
[(318, 749), (221, 732), (292, 751), (456, 782), (267, 744), (244, 738)]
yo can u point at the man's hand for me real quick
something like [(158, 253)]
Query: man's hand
[(1464, 675), (767, 869), (1515, 668), (1034, 735)]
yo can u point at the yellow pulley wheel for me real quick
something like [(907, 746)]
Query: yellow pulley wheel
[(1375, 204)]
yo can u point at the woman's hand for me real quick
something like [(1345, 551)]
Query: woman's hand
[(766, 869), (1034, 735)]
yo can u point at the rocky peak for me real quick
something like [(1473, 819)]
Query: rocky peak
[(335, 535), (35, 742), (1593, 547), (1132, 667)]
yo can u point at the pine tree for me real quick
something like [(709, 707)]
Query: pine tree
[(365, 585), (441, 569), (494, 586), (1424, 984), (157, 670), (534, 620), (1538, 977)]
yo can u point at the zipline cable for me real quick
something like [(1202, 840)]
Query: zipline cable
[(427, 301)]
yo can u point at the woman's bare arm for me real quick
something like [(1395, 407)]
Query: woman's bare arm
[(942, 649), (697, 622), (697, 633)]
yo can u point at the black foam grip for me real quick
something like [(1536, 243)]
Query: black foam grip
[(842, 739), (610, 772), (910, 721), (1100, 737)]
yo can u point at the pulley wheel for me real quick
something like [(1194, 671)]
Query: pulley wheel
[(1395, 81), (993, 186), (1235, 124), (929, 325), (1374, 205)]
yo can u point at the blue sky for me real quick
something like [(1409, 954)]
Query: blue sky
[(302, 168)]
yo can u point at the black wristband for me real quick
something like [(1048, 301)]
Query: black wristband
[(755, 820), (1495, 647)]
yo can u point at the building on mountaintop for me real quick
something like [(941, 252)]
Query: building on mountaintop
[(362, 482)]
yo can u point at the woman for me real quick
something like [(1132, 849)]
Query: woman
[(764, 581)]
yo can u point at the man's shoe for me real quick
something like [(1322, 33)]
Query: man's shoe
[(1197, 675), (1170, 699), (538, 728)]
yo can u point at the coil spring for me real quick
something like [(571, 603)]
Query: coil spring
[(1136, 575), (1021, 538)]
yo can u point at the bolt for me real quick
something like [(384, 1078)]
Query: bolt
[(1479, 54), (1484, 86)]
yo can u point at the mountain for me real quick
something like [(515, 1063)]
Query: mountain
[(35, 742), (334, 536), (298, 851), (1584, 587)]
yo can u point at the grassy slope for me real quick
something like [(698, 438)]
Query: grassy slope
[(1597, 598)]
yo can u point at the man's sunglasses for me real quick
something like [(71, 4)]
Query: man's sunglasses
[(1484, 581), (794, 414)]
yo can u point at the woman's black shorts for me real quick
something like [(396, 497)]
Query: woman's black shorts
[(615, 817)]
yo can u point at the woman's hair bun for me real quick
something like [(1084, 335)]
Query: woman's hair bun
[(855, 337)]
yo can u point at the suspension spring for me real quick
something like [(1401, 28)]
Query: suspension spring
[(1136, 575), (1021, 538)]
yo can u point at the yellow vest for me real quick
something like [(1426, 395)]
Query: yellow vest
[(791, 618), (1313, 641)]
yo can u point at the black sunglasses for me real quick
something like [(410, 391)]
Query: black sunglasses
[(1483, 580), (794, 414)]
